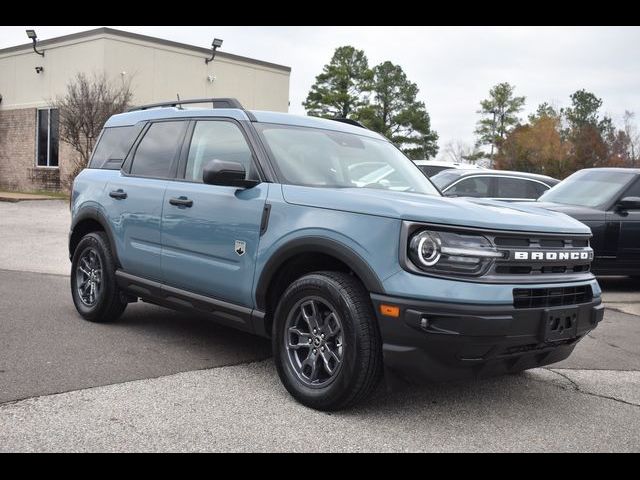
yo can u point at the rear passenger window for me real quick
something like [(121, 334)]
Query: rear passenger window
[(519, 188), (217, 140), (536, 189), (113, 146), (158, 150)]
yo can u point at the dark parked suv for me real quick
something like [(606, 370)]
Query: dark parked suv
[(608, 201), (272, 224)]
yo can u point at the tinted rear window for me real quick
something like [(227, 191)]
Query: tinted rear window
[(519, 188), (113, 146)]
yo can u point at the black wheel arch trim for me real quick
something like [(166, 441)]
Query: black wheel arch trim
[(311, 244), (92, 213)]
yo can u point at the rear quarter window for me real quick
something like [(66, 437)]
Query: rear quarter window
[(519, 188), (113, 146)]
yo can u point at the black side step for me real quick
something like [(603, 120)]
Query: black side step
[(226, 313)]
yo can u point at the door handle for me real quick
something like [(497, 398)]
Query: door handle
[(181, 202), (118, 194)]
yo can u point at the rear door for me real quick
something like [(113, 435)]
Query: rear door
[(210, 233), (135, 199)]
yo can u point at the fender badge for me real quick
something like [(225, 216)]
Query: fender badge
[(240, 247)]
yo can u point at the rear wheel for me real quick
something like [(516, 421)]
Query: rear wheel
[(326, 344), (93, 282)]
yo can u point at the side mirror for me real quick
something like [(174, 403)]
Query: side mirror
[(231, 174), (629, 203)]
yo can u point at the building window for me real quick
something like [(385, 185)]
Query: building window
[(47, 138)]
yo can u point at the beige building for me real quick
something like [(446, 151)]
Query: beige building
[(31, 155)]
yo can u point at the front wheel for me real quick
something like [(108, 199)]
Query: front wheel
[(93, 281), (326, 343)]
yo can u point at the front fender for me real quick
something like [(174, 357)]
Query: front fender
[(315, 244)]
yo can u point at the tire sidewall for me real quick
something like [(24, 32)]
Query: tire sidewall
[(95, 241), (325, 288)]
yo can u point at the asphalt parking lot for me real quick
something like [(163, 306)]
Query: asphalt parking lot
[(164, 381)]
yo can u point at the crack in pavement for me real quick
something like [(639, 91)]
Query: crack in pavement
[(612, 345), (627, 307), (577, 388), (579, 369)]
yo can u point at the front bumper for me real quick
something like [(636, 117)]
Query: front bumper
[(437, 341)]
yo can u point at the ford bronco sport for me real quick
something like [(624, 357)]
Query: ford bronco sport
[(257, 219)]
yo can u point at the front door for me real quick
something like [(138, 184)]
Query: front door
[(629, 228), (210, 233)]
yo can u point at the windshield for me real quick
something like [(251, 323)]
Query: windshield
[(588, 188), (444, 178), (325, 158)]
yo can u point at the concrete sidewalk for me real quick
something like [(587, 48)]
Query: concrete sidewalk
[(19, 197), (33, 236)]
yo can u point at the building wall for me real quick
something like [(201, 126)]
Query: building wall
[(17, 155), (18, 170), (156, 70), (160, 72), (22, 87)]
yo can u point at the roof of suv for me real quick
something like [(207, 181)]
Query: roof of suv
[(611, 169), (131, 118), (534, 176)]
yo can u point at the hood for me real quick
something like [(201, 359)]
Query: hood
[(480, 213), (576, 211)]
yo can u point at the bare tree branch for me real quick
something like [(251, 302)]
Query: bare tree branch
[(83, 110)]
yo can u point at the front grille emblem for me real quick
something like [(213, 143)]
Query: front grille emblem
[(551, 256)]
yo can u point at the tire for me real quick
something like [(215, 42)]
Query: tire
[(358, 346), (108, 301)]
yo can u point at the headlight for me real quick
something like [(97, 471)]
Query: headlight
[(451, 253)]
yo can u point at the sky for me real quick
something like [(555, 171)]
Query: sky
[(454, 67)]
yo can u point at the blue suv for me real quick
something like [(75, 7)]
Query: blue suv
[(323, 236)]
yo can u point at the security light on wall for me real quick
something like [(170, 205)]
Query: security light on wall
[(34, 38), (215, 45)]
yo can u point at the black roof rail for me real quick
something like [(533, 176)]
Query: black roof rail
[(349, 121), (215, 103)]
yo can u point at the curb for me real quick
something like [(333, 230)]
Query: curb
[(26, 199)]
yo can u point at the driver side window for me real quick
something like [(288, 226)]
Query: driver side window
[(217, 140), (633, 190)]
